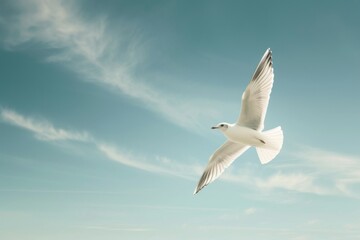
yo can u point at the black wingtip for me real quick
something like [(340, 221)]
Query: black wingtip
[(197, 189), (266, 59), (268, 53)]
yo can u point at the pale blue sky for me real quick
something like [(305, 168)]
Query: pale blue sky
[(106, 109)]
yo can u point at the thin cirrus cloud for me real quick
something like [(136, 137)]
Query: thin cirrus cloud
[(297, 181), (159, 165), (342, 169), (97, 54), (308, 171), (45, 131), (320, 172), (293, 180), (250, 211)]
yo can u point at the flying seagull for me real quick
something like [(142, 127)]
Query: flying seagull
[(247, 131)]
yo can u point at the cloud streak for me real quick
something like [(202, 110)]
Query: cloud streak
[(45, 131), (293, 180), (306, 170), (250, 211), (319, 172), (96, 53), (159, 165), (343, 170), (42, 129)]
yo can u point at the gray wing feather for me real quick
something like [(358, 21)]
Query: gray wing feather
[(256, 96), (221, 159)]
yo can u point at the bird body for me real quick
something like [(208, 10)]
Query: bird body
[(244, 135), (248, 130)]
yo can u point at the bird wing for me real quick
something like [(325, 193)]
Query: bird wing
[(255, 98), (221, 159)]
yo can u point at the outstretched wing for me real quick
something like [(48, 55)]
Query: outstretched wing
[(255, 98), (221, 159)]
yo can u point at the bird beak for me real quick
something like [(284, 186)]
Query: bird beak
[(214, 127)]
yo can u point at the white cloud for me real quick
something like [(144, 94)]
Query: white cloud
[(308, 170), (43, 130), (290, 178), (341, 172), (104, 56), (250, 211), (158, 165), (299, 182), (317, 181), (320, 172)]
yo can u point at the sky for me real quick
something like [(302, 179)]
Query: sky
[(106, 109)]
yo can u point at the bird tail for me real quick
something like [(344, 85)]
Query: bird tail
[(273, 139)]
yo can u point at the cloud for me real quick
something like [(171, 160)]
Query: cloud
[(160, 165), (311, 178), (250, 211), (309, 170), (340, 171), (299, 182), (97, 53), (277, 177), (43, 130)]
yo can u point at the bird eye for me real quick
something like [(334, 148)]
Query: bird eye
[(221, 125)]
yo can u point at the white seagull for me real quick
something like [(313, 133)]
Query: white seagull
[(247, 131)]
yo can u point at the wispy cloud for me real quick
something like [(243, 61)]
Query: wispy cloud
[(107, 57), (42, 129), (290, 179), (315, 176), (306, 170), (250, 211), (45, 131), (160, 165), (310, 170), (341, 170), (299, 182)]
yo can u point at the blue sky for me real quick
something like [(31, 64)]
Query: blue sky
[(106, 109)]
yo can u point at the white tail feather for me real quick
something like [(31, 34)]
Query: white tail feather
[(273, 143)]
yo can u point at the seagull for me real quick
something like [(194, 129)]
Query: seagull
[(248, 130)]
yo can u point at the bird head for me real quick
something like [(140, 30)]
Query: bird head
[(223, 126)]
